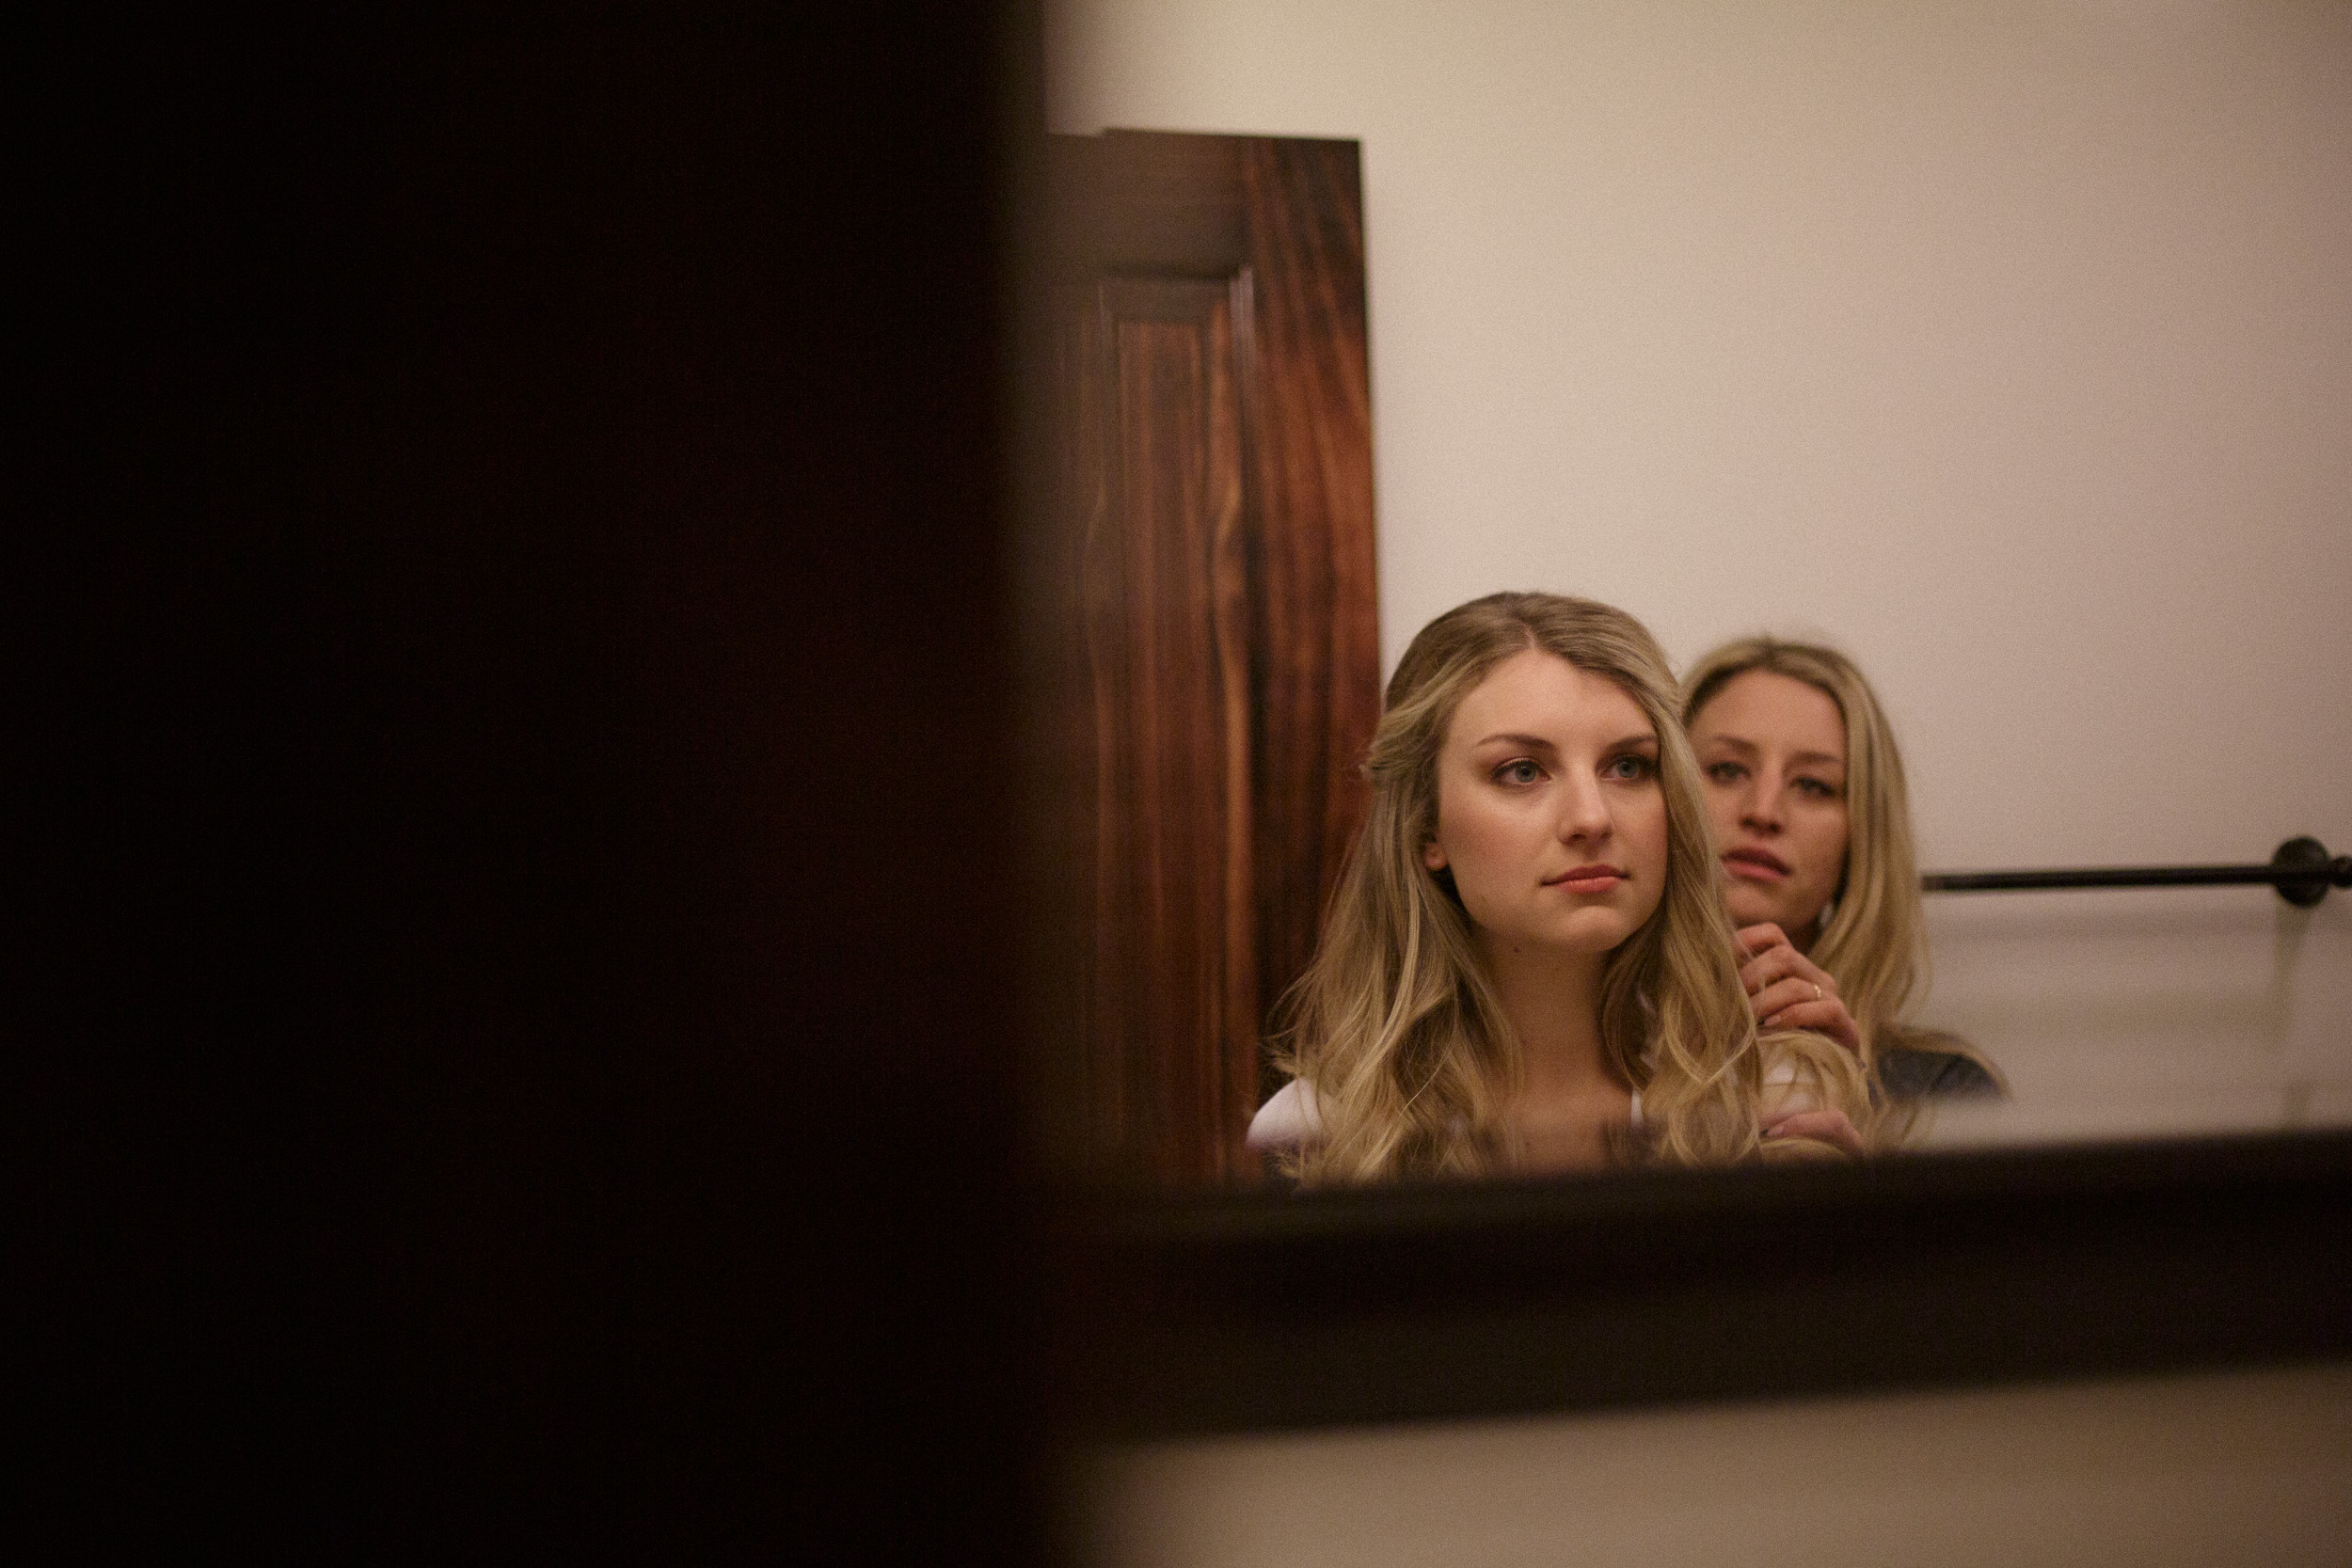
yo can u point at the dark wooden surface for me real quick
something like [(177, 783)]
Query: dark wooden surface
[(517, 1052), (1322, 644), (1172, 982), (1206, 611), (1258, 1312)]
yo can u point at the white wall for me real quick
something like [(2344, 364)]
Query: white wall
[(2008, 346)]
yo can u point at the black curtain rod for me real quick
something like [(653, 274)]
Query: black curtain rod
[(2302, 871)]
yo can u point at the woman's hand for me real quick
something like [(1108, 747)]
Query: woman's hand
[(1823, 1127), (1790, 991)]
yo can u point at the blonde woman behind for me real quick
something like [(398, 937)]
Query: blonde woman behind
[(1813, 822), (1527, 964)]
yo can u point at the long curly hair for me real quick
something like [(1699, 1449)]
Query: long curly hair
[(1396, 1027)]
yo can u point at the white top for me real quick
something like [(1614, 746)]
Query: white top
[(1290, 1121)]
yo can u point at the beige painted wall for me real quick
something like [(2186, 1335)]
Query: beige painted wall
[(2232, 1468), (2008, 346)]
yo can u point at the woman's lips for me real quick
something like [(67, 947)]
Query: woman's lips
[(1588, 879), (1757, 865)]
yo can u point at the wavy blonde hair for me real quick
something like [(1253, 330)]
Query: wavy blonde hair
[(1396, 1026), (1875, 940)]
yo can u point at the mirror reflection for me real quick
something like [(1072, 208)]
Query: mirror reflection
[(1528, 965), (1956, 397)]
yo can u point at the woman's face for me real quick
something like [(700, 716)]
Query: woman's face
[(1772, 752), (1549, 813)]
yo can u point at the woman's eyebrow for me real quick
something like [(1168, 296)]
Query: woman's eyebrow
[(1731, 742), (1531, 742), (1809, 759), (1640, 737)]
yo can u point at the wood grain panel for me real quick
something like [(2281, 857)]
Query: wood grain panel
[(1205, 639), (1320, 695), (1173, 1008)]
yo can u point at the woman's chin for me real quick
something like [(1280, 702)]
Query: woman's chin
[(1598, 931), (1585, 937)]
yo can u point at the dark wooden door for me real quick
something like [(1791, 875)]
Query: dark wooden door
[(1210, 615)]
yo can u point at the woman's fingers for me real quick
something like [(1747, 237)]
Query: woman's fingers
[(1826, 1017), (1829, 1127), (1763, 970), (1789, 990), (1782, 963), (1781, 995)]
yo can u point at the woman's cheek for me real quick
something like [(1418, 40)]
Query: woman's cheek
[(1487, 857), (1722, 811)]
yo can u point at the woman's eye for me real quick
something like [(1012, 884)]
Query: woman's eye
[(1818, 790), (1631, 767), (1723, 772), (1519, 772)]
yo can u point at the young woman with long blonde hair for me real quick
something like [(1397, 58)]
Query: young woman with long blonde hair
[(1527, 964), (1812, 820)]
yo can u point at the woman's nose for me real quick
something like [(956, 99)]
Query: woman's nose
[(1584, 810), (1760, 809)]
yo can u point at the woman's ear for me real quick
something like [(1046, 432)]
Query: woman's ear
[(1433, 854)]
